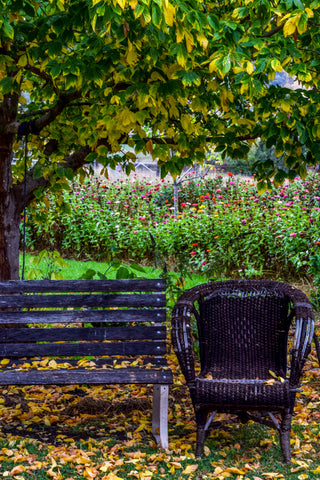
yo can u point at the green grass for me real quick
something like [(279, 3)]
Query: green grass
[(75, 269)]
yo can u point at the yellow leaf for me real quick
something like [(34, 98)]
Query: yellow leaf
[(276, 65), (249, 68), (285, 106), (133, 4), (18, 469), (189, 42), (309, 12), (190, 469), (270, 382), (235, 470), (132, 55), (217, 470), (289, 27), (121, 3), (90, 472), (206, 451), (202, 39), (212, 66), (23, 60), (169, 13), (317, 470), (5, 361), (186, 123), (53, 364)]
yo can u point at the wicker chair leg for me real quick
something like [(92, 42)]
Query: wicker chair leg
[(285, 430), (201, 435), (201, 418)]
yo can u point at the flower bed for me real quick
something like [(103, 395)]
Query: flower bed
[(223, 227)]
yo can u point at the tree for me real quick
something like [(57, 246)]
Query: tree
[(80, 78)]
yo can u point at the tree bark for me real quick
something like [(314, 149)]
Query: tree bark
[(9, 215)]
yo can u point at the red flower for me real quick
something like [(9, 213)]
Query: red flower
[(230, 174), (194, 244)]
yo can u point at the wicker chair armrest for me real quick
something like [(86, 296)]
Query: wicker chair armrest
[(182, 340), (304, 333)]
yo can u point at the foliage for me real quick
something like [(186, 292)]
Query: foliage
[(46, 266), (223, 228), (90, 73), (82, 78)]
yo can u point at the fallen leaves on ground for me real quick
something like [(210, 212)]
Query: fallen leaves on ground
[(86, 432)]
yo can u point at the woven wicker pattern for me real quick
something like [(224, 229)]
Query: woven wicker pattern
[(242, 328)]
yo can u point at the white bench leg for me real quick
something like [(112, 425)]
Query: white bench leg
[(160, 414)]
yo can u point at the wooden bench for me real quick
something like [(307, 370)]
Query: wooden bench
[(112, 323)]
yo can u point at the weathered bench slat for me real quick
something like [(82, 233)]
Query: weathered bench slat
[(83, 301), (80, 334), (81, 349), (83, 316), (54, 286), (75, 377)]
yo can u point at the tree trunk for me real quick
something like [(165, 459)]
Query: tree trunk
[(9, 213), (9, 237)]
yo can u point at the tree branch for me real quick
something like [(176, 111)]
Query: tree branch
[(36, 125), (43, 75), (44, 112), (74, 161), (273, 31)]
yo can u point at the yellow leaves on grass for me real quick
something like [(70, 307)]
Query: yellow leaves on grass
[(190, 469)]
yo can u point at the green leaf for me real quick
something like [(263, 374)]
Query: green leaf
[(226, 65), (299, 4), (55, 70), (6, 85), (156, 15), (8, 30), (54, 48), (123, 272), (138, 268), (262, 187), (88, 274), (189, 78)]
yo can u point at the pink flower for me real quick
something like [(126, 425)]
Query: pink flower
[(192, 253), (204, 263), (293, 234)]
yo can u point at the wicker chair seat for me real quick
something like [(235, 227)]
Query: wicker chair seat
[(243, 394)]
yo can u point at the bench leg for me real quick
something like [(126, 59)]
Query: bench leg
[(160, 414)]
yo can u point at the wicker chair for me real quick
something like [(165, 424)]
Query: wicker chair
[(243, 331)]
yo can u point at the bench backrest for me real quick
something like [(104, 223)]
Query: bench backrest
[(77, 318)]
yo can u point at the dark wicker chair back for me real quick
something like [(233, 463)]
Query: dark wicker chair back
[(244, 333), (243, 329)]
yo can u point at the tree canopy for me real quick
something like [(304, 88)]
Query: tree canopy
[(84, 77), (91, 75)]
